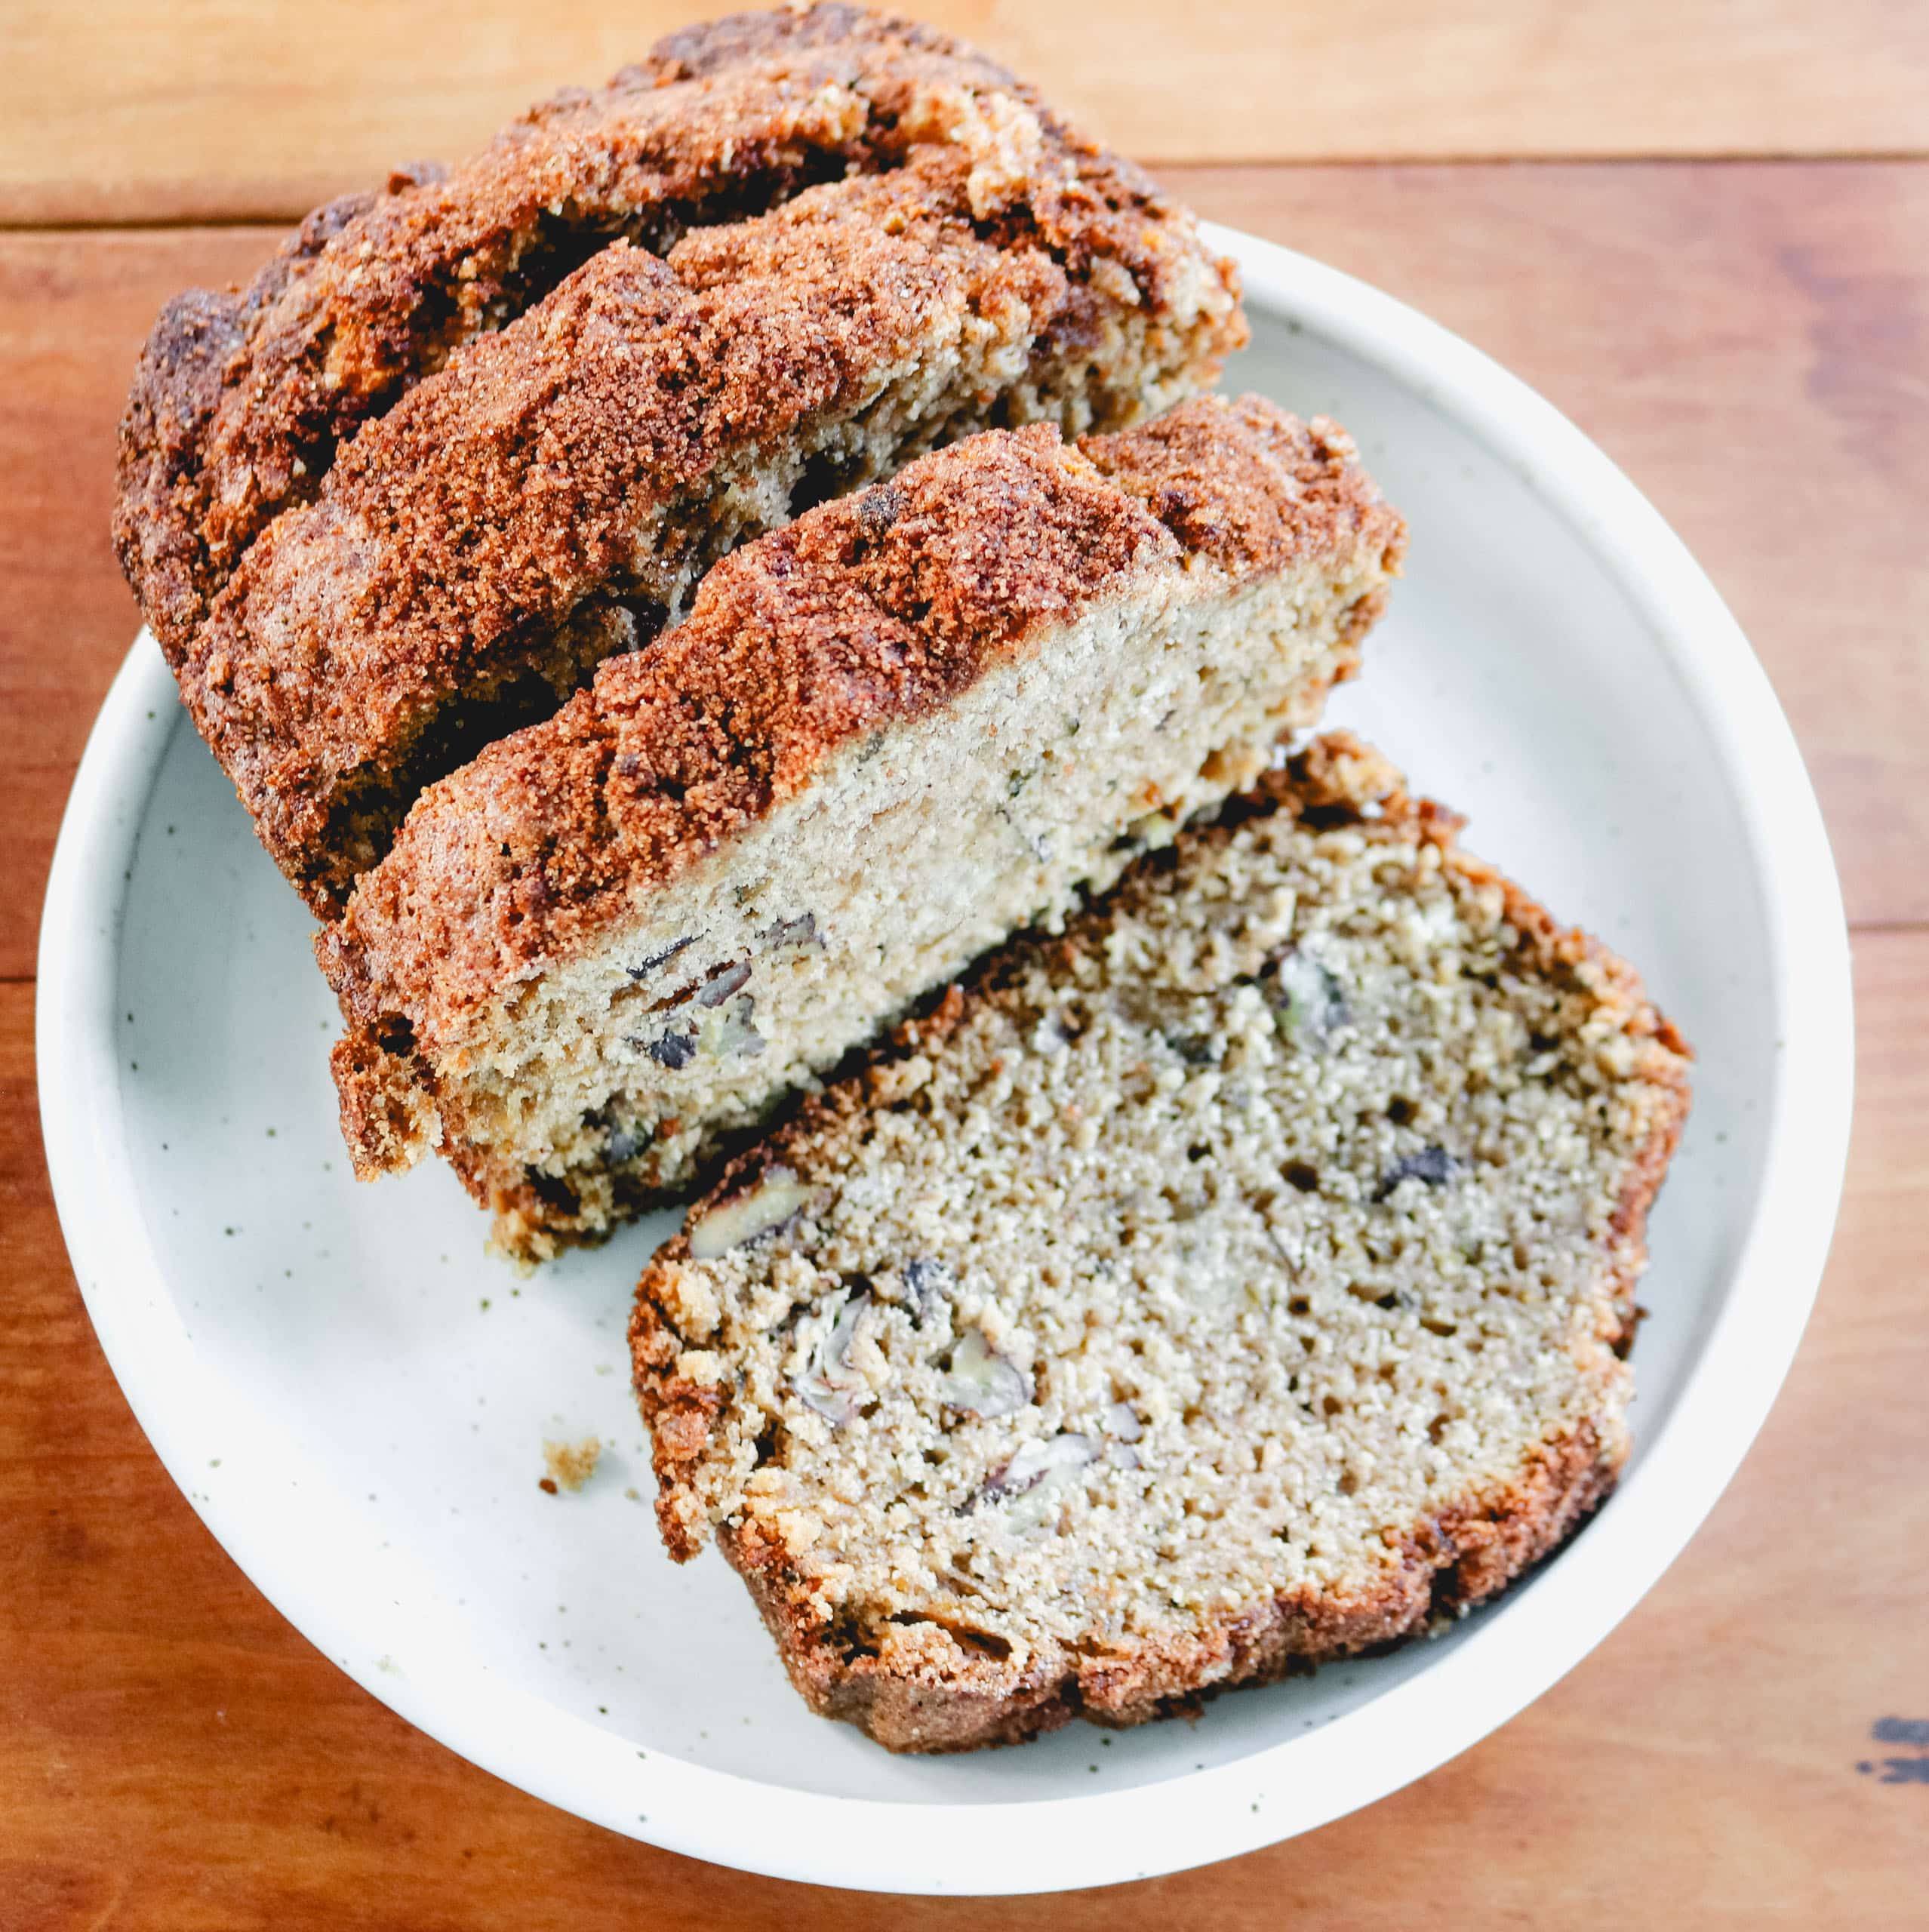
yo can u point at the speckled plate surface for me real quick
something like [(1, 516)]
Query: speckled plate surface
[(355, 1398)]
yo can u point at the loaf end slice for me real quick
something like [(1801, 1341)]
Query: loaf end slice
[(1241, 1278), (886, 737)]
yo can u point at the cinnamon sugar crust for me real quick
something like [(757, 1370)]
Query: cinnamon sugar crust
[(242, 398)]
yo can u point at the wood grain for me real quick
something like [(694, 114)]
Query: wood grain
[(125, 110), (1773, 398), (1751, 342), (175, 1758)]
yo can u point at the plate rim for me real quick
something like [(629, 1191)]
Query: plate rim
[(1534, 1636)]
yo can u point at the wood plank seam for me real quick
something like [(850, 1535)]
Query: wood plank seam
[(277, 217)]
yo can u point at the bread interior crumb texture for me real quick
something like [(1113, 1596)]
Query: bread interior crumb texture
[(1217, 1260), (911, 852)]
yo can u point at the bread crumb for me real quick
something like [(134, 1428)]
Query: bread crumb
[(571, 1464)]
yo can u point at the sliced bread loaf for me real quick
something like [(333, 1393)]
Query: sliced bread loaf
[(548, 490), (1241, 1278), (243, 397), (885, 737)]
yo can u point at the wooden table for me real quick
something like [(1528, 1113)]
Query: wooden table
[(1702, 227)]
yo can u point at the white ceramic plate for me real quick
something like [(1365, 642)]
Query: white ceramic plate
[(355, 1398)]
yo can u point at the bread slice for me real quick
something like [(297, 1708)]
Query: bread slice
[(885, 737), (547, 495), (243, 397), (1240, 1280)]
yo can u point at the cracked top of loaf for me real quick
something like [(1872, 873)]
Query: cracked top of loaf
[(244, 398)]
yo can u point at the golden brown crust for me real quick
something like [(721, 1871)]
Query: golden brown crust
[(949, 1699), (391, 1127), (241, 399), (869, 611), (1232, 488)]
